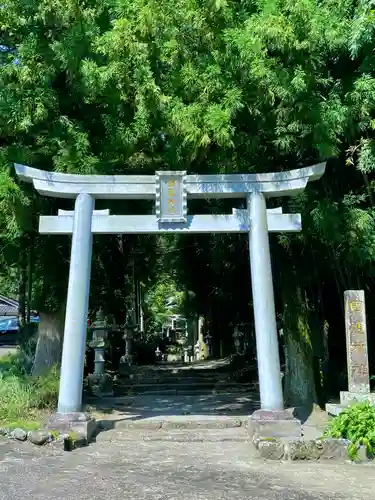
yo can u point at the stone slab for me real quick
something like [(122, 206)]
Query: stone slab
[(78, 423), (305, 449), (335, 409), (317, 449), (349, 398), (70, 444), (271, 449), (137, 434), (183, 422), (202, 422), (274, 424)]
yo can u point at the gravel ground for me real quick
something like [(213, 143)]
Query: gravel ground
[(129, 464)]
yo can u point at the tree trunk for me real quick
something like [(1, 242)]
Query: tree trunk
[(50, 341), (299, 386), (22, 283), (30, 270)]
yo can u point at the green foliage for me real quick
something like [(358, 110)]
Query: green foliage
[(23, 398), (26, 425), (113, 86), (163, 300), (356, 424)]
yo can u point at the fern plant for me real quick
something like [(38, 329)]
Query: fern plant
[(357, 424)]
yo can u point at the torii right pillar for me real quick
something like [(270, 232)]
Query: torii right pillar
[(272, 420)]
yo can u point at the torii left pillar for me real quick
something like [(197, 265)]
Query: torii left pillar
[(73, 355), (69, 411)]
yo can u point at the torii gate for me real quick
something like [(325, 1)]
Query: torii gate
[(171, 190)]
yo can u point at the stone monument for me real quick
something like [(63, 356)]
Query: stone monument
[(356, 352)]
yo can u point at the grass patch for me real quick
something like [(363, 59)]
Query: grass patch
[(24, 424), (25, 399)]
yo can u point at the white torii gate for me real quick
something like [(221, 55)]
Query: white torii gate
[(171, 190)]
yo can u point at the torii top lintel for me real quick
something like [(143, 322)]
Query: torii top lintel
[(62, 185)]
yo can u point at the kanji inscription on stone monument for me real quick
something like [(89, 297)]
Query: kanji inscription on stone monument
[(356, 341)]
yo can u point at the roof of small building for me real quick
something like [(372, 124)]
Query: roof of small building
[(8, 306)]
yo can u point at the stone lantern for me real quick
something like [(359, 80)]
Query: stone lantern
[(99, 341), (190, 353), (186, 355), (237, 338), (197, 351), (130, 331), (208, 342), (99, 382), (158, 355)]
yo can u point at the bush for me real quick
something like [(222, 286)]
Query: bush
[(22, 397), (46, 389), (357, 424)]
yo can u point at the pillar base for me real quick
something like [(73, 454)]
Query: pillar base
[(274, 424), (76, 422)]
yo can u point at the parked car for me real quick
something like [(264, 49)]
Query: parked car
[(11, 324), (9, 327)]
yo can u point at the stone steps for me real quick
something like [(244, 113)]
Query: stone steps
[(184, 385), (177, 422), (175, 382), (179, 390), (173, 392), (176, 379), (169, 381), (182, 375)]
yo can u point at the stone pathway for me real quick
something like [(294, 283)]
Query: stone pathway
[(122, 465), (206, 377), (209, 411), (153, 409), (188, 447)]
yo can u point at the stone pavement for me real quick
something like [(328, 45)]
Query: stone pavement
[(122, 465), (213, 410)]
